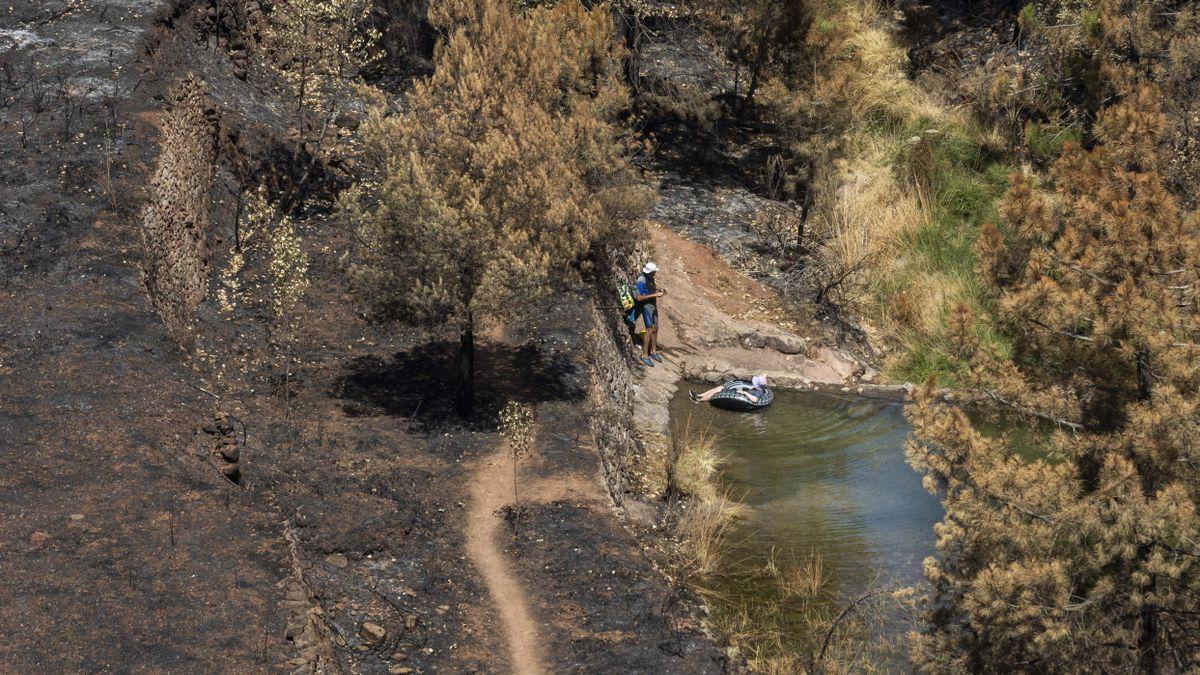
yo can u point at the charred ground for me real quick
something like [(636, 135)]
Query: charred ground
[(124, 544)]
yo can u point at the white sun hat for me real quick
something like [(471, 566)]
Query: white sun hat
[(650, 268)]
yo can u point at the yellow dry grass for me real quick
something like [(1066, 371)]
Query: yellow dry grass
[(870, 207)]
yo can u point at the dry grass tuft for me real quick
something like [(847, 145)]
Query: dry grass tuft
[(691, 463), (704, 530)]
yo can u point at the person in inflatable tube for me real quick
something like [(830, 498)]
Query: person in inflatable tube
[(758, 381)]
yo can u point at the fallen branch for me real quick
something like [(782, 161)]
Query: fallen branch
[(842, 615)]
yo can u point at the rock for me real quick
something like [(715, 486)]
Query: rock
[(400, 670), (348, 119), (787, 344), (920, 20), (752, 340), (814, 371), (845, 366), (442, 609), (337, 560), (410, 622), (231, 453), (230, 470), (77, 517), (869, 374), (372, 633)]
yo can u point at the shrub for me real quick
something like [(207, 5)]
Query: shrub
[(1045, 142)]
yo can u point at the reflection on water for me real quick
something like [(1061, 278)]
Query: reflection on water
[(825, 473)]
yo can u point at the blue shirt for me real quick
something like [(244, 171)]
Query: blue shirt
[(646, 287)]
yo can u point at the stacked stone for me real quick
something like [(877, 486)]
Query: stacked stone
[(227, 451)]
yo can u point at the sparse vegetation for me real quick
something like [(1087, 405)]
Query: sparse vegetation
[(900, 198), (318, 47)]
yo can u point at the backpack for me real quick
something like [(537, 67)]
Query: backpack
[(625, 296)]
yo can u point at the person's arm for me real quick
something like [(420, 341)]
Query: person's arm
[(640, 294)]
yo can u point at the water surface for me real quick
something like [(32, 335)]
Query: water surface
[(826, 474)]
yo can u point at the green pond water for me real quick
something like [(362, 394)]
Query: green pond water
[(826, 474)]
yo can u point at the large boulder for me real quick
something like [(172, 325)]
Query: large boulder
[(787, 344), (843, 364)]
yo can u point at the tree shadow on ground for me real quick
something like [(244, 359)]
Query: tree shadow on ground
[(421, 384)]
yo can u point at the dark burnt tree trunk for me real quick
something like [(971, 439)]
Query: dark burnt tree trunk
[(756, 67), (465, 401), (1148, 630)]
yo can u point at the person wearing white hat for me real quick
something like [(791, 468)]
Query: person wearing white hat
[(647, 295)]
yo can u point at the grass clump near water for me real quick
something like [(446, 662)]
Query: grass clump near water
[(901, 193), (780, 617)]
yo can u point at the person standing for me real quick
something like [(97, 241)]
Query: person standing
[(647, 295)]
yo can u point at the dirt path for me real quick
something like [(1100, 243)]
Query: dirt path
[(491, 490), (718, 323)]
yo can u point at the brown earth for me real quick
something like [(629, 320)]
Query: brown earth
[(348, 541), (718, 324)]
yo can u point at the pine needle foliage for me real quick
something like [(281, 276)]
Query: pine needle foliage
[(505, 169), (1091, 564)]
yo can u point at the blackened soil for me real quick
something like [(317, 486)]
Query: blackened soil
[(609, 612), (122, 546)]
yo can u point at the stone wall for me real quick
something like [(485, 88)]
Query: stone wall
[(612, 394)]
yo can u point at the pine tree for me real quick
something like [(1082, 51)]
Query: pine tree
[(1091, 562), (505, 168)]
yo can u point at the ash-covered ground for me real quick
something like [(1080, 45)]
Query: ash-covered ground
[(340, 545)]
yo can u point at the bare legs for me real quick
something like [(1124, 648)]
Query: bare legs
[(706, 396)]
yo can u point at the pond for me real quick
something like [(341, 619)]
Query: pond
[(821, 475), (825, 474)]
